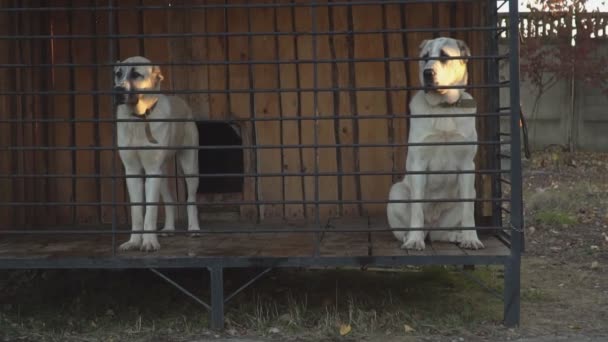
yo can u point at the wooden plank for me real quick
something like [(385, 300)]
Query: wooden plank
[(287, 245), (303, 23), (371, 74), (493, 246), (397, 101), (445, 248), (40, 54), (326, 129), (345, 243), (6, 132), (127, 22), (240, 103), (215, 19), (266, 105), (82, 52), (385, 244), (63, 162), (290, 108), (343, 74), (199, 75), (180, 51)]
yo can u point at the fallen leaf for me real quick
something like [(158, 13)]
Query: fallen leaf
[(408, 329), (594, 248), (345, 329), (274, 330), (595, 265)]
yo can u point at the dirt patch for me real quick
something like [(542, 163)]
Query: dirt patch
[(564, 287)]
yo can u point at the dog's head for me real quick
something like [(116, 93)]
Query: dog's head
[(443, 72), (138, 74)]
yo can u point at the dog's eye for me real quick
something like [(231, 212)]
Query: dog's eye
[(444, 55), (135, 74), (119, 74), (425, 56)]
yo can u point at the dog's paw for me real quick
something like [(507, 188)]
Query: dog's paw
[(167, 231), (150, 245), (455, 237), (194, 231), (413, 244), (472, 244), (130, 245)]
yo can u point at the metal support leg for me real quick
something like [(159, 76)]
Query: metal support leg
[(512, 297), (217, 297)]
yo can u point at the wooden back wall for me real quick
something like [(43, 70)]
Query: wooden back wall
[(88, 47)]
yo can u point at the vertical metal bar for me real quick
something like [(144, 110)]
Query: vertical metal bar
[(493, 104), (512, 266), (299, 108), (72, 110), (315, 100), (275, 22), (352, 82), (254, 136), (335, 77), (114, 128), (217, 297), (96, 109)]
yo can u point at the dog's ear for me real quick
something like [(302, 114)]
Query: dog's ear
[(423, 44), (158, 76), (464, 49)]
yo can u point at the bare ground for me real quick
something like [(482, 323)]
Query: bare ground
[(564, 287)]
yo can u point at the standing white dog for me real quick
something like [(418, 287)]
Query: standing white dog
[(434, 100), (129, 81)]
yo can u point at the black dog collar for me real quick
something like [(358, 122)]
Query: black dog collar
[(461, 103)]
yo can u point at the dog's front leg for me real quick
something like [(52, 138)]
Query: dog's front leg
[(466, 184), (150, 240), (415, 238), (135, 187)]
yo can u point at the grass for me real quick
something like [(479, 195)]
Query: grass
[(135, 305), (554, 217)]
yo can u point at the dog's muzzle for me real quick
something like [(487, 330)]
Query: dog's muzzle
[(122, 96), (429, 78)]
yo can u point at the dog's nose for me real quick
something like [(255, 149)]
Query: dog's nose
[(429, 77)]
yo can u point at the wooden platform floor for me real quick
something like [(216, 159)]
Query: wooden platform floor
[(289, 244)]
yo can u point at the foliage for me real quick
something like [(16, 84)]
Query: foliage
[(559, 44)]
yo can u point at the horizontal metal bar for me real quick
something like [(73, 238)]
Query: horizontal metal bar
[(146, 261), (241, 147), (326, 202), (248, 62), (321, 117), (269, 174), (244, 34), (225, 5), (252, 230), (246, 90)]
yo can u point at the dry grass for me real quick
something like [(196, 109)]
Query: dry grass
[(79, 305)]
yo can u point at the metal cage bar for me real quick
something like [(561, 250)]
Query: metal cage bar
[(303, 49)]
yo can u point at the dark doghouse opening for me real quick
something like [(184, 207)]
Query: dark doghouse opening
[(220, 161)]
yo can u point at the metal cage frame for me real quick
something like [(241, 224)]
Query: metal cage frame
[(511, 235)]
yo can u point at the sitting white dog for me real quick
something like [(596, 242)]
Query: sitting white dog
[(129, 81), (434, 100)]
